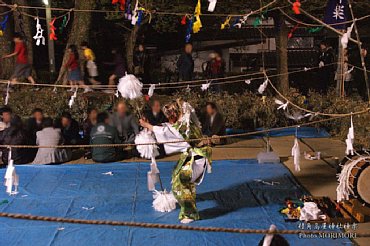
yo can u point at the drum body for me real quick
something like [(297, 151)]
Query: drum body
[(360, 178)]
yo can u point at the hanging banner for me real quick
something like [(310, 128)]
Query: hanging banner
[(336, 13)]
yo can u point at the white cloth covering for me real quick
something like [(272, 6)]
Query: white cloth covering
[(310, 211), (166, 133)]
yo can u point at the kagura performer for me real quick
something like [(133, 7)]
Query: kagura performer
[(194, 160)]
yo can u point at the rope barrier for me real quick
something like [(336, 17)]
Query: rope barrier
[(163, 226), (159, 85), (189, 140), (310, 111)]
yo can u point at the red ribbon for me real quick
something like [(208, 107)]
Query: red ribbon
[(290, 34), (296, 7), (52, 36), (183, 20), (122, 3)]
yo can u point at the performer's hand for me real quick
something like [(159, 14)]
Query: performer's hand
[(145, 124)]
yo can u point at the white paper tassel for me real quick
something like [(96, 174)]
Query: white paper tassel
[(268, 237), (153, 175), (283, 106), (72, 99), (212, 5), (263, 86), (7, 96), (350, 139), (151, 90), (297, 116), (146, 151), (242, 21), (345, 187), (130, 87), (135, 16), (11, 177), (205, 86), (296, 153), (345, 38), (248, 81), (164, 201), (189, 115), (39, 33)]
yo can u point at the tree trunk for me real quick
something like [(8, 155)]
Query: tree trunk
[(282, 53), (130, 47), (6, 68), (79, 32)]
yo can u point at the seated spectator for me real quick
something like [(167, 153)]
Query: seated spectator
[(87, 125), (70, 129), (34, 124), (213, 124), (103, 133), (15, 135), (6, 116), (125, 123), (155, 116), (50, 136)]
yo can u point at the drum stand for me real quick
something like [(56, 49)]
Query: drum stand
[(360, 212)]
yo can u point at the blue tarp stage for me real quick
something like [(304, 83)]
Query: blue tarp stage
[(303, 132), (231, 196)]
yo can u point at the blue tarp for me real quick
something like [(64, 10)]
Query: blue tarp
[(303, 132), (229, 197)]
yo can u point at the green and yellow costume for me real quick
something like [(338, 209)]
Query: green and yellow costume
[(183, 187)]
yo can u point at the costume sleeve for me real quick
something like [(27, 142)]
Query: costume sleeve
[(167, 133)]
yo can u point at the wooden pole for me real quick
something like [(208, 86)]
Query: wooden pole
[(359, 47)]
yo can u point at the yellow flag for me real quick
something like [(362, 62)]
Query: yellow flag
[(198, 23)]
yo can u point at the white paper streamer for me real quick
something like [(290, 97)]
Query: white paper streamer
[(212, 5), (205, 86), (11, 177), (345, 38), (283, 106), (263, 86), (7, 96), (40, 39), (350, 139), (296, 153), (151, 90), (135, 14), (72, 99)]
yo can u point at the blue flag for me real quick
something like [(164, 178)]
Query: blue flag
[(337, 13)]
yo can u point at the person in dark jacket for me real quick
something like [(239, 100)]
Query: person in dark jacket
[(103, 133), (87, 125), (141, 62), (155, 116), (119, 64), (15, 135), (70, 129), (326, 69), (359, 76), (125, 123), (213, 124), (185, 64), (34, 124)]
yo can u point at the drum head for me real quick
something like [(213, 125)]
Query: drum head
[(363, 185)]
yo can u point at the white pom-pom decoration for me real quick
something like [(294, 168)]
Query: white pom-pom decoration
[(130, 87)]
